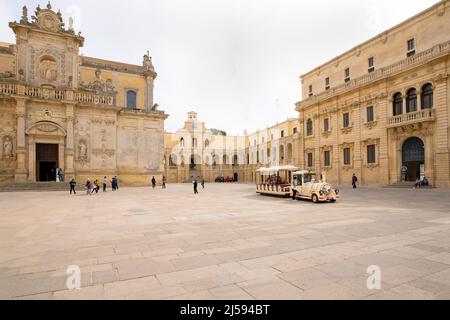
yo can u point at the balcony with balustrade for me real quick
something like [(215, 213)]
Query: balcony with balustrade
[(80, 97), (425, 115)]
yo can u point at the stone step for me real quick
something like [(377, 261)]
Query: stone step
[(405, 185), (38, 186)]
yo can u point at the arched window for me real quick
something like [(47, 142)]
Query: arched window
[(182, 142), (131, 99), (397, 104), (427, 96), (411, 101), (309, 128), (206, 143), (235, 160)]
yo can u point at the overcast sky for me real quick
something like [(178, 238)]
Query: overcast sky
[(236, 62)]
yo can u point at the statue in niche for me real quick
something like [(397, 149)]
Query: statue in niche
[(7, 147), (82, 150), (21, 75), (48, 69)]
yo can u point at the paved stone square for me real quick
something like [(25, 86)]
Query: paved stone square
[(225, 243)]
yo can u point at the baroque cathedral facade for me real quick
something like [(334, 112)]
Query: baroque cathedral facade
[(62, 110)]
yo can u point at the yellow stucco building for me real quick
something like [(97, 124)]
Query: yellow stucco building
[(87, 116), (381, 110)]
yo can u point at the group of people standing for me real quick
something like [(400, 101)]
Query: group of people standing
[(94, 187)]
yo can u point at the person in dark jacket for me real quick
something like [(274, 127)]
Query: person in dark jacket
[(354, 181), (153, 183), (72, 184), (195, 187)]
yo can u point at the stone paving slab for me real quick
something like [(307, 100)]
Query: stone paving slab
[(225, 243)]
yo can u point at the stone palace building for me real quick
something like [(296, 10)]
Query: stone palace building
[(59, 109), (381, 109)]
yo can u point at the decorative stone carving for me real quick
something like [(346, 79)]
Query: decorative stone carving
[(48, 69), (47, 128), (7, 75), (24, 19), (82, 150), (99, 86), (7, 148), (47, 114), (147, 63), (371, 125), (440, 10)]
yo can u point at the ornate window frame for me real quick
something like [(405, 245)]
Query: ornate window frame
[(342, 147), (324, 149), (364, 145), (307, 152)]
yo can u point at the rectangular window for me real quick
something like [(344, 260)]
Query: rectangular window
[(371, 64), (347, 75), (371, 155), (326, 125), (346, 120), (310, 90), (347, 155), (295, 130), (370, 115), (310, 160), (327, 83), (411, 45), (327, 158), (282, 133)]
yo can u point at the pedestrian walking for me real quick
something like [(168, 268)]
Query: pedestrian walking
[(104, 182), (72, 184), (96, 187), (354, 181), (203, 183), (88, 187), (117, 183), (113, 183), (153, 183), (164, 181), (195, 187)]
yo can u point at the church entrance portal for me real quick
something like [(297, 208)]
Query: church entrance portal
[(46, 162)]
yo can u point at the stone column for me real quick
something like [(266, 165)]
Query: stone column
[(61, 158), (21, 170), (419, 100), (149, 93), (429, 157), (404, 108), (70, 151), (31, 159)]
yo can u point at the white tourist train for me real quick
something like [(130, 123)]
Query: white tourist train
[(289, 181)]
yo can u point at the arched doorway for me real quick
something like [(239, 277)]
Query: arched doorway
[(413, 159)]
